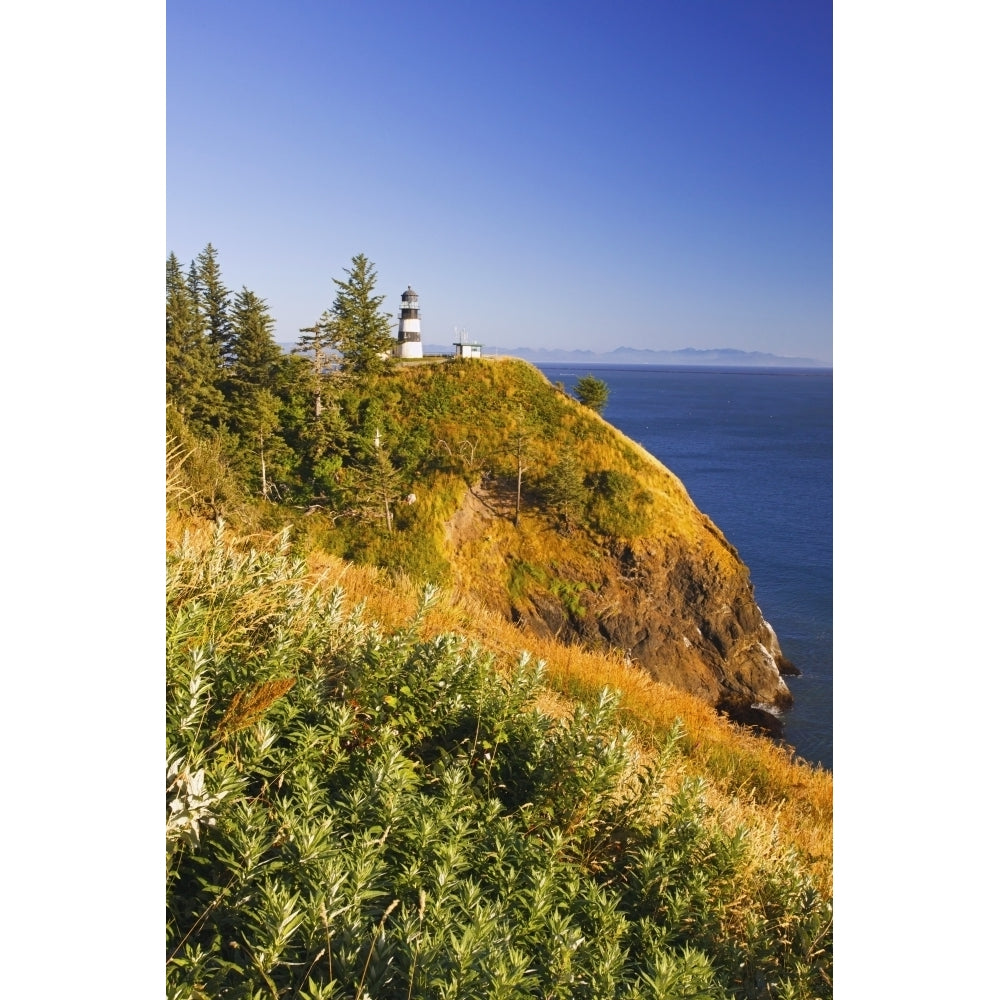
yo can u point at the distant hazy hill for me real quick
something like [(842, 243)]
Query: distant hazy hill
[(686, 356)]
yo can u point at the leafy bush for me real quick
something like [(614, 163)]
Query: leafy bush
[(199, 477), (358, 813), (619, 505)]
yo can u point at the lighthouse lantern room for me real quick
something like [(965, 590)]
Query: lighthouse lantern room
[(408, 342)]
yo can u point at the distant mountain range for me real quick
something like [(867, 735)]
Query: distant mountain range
[(719, 356), (634, 356)]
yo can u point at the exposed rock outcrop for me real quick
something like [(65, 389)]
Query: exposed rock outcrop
[(690, 618), (681, 606)]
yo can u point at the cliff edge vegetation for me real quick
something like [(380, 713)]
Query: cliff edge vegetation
[(482, 476)]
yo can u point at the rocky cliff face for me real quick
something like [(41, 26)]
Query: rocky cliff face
[(679, 604), (690, 619)]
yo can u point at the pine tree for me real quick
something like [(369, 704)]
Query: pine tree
[(213, 300), (255, 355), (322, 436), (363, 334), (253, 387), (592, 392), (194, 285), (192, 372), (563, 490), (378, 484)]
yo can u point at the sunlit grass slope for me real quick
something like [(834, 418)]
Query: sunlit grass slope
[(375, 790), (453, 426)]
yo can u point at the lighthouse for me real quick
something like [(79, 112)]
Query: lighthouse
[(408, 342)]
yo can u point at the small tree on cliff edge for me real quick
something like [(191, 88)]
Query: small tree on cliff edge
[(564, 492), (592, 392), (362, 334)]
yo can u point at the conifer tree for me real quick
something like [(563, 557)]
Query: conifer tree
[(194, 285), (321, 444), (213, 300), (592, 392), (192, 372), (564, 491), (379, 484), (318, 343), (322, 436), (255, 355), (253, 386), (363, 334)]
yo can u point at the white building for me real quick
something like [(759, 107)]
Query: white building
[(408, 343), (463, 350)]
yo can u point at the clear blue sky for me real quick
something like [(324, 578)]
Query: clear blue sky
[(578, 175)]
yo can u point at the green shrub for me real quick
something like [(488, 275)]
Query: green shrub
[(619, 506), (352, 813), (521, 579), (200, 480)]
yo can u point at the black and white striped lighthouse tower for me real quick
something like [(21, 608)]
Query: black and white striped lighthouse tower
[(408, 342)]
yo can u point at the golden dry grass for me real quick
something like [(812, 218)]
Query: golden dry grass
[(749, 781)]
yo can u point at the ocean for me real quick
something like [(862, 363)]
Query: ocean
[(754, 448)]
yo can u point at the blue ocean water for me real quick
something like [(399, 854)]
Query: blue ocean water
[(754, 448)]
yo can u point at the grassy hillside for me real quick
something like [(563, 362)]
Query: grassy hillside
[(376, 789), (447, 426), (390, 798), (536, 506)]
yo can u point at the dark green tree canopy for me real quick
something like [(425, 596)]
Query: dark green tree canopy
[(254, 390), (362, 334), (255, 355), (592, 392), (213, 299), (192, 373)]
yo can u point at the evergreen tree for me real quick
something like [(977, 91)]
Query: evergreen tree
[(378, 485), (255, 355), (192, 372), (322, 435), (363, 334), (563, 489), (194, 285), (592, 392), (318, 343), (253, 386), (321, 444), (213, 300)]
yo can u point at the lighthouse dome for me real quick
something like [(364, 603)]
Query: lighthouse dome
[(409, 293)]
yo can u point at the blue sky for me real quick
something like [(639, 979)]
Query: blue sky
[(577, 175)]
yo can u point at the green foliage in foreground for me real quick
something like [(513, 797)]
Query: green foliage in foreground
[(355, 814)]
